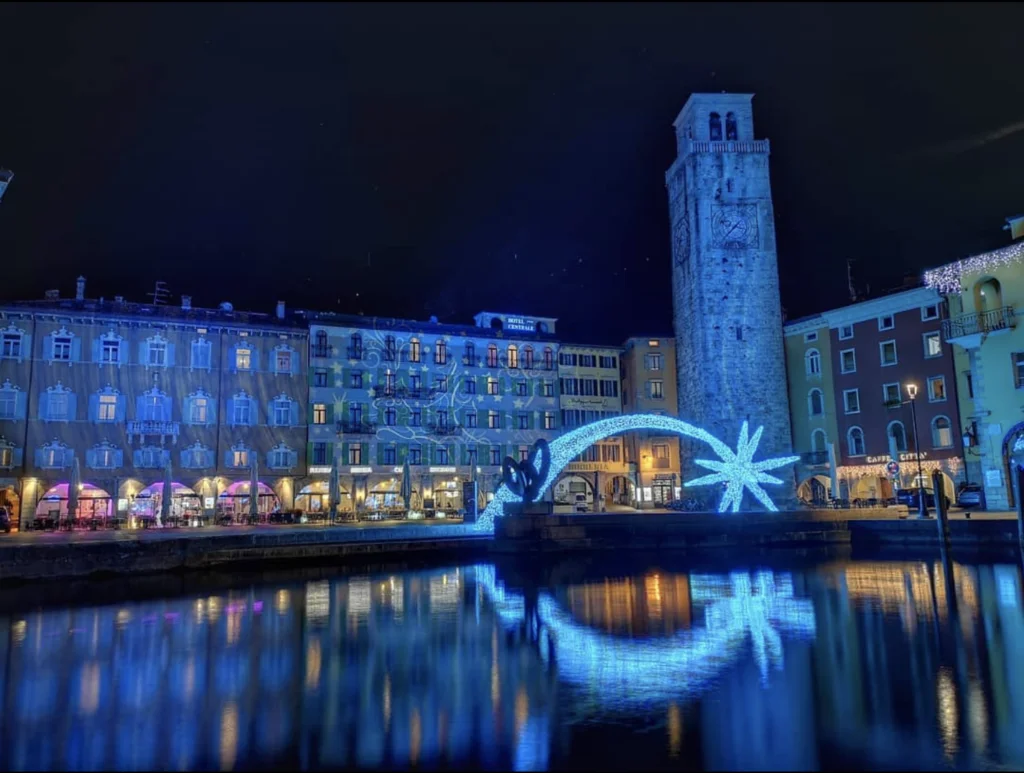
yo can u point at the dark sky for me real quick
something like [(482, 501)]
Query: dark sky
[(411, 160)]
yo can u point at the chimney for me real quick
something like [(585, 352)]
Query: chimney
[(186, 302), (80, 289), (280, 309)]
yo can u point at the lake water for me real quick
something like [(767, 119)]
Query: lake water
[(863, 664)]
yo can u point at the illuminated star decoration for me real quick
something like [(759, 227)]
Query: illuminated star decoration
[(738, 471)]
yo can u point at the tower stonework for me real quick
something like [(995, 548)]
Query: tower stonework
[(725, 283)]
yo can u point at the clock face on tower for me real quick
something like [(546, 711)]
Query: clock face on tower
[(734, 226)]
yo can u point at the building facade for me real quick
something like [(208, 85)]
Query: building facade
[(984, 293), (648, 370), (589, 390), (453, 401), (130, 390), (727, 314)]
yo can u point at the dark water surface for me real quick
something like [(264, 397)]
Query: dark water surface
[(862, 664)]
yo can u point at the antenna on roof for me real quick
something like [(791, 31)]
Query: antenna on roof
[(160, 293), (849, 280)]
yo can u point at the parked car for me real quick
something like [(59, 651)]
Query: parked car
[(971, 496), (910, 497), (5, 519)]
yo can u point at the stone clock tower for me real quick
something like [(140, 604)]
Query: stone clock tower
[(725, 283)]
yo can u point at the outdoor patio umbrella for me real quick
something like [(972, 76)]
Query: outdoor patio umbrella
[(73, 487), (333, 495), (406, 491), (165, 499), (254, 490)]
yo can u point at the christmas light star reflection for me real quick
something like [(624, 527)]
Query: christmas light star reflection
[(738, 471)]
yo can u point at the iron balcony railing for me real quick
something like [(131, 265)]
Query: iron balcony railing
[(357, 428), (978, 323), (814, 457), (143, 428)]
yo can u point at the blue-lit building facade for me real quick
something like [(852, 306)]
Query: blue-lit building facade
[(447, 399), (129, 390)]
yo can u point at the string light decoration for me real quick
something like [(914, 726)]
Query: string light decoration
[(736, 469), (737, 607), (948, 279)]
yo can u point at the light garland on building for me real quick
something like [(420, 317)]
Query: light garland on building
[(948, 279), (736, 469)]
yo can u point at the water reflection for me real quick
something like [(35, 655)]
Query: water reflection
[(862, 664)]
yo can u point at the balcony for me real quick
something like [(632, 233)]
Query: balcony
[(970, 330), (356, 428), (324, 350), (444, 429), (814, 458), (155, 429), (728, 146)]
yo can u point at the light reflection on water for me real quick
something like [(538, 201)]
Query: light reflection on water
[(857, 664)]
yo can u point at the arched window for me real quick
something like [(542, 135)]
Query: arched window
[(988, 295), (815, 402), (513, 356), (355, 348), (414, 350), (469, 355), (549, 358), (942, 432), (730, 127), (896, 431), (819, 441), (855, 441), (812, 362), (492, 356), (528, 357), (715, 127), (440, 352)]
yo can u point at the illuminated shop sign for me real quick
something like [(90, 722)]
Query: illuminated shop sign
[(361, 470), (903, 458), (442, 470), (321, 469)]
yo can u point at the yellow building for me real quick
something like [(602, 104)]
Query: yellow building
[(649, 386), (984, 293), (812, 404)]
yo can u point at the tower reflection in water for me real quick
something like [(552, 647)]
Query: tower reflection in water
[(881, 664)]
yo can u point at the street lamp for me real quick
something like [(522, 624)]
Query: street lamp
[(922, 505)]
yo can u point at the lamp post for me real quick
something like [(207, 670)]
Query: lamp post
[(922, 505)]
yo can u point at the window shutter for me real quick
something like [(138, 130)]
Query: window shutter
[(231, 412), (170, 355), (167, 407), (342, 454), (44, 406), (254, 409), (144, 353), (228, 458), (96, 350), (380, 453), (364, 454), (39, 457), (48, 348), (140, 407), (295, 362), (94, 407), (90, 458), (293, 413), (118, 457), (69, 457), (329, 412), (119, 411), (17, 455), (254, 363), (20, 404), (76, 349)]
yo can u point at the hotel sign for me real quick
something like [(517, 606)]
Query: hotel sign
[(903, 458), (521, 324)]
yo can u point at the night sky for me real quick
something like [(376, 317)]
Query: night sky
[(417, 160)]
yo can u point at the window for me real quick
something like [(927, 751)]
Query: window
[(201, 349), (570, 386), (656, 388), (242, 413), (819, 442), (608, 362), (320, 453), (62, 348), (513, 356), (969, 383), (389, 349), (937, 389), (355, 454), (282, 412), (441, 384), (524, 421), (107, 408), (355, 414), (851, 400), (549, 358), (587, 360), (855, 441), (469, 386), (549, 420), (11, 348), (390, 417), (157, 356), (495, 455), (415, 417), (715, 127), (199, 410), (355, 379), (812, 362), (493, 420), (150, 457), (243, 358), (810, 338), (522, 388), (6, 457), (110, 351), (390, 455), (731, 133), (320, 377), (280, 458), (528, 357), (816, 402), (548, 388), (54, 456), (239, 457), (845, 332), (389, 384), (609, 388), (929, 312), (1018, 369), (355, 348), (898, 434), (57, 408), (8, 401), (492, 356), (414, 350), (319, 413), (415, 455), (152, 406), (653, 361), (492, 386), (442, 454), (659, 452), (891, 394), (886, 323), (283, 363), (471, 456), (470, 419), (887, 349), (848, 361), (469, 354), (932, 345), (524, 453), (440, 353), (942, 432)]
